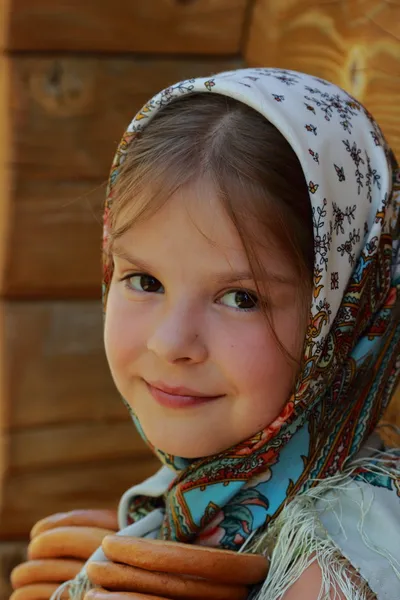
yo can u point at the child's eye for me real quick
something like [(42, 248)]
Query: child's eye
[(240, 300), (142, 282)]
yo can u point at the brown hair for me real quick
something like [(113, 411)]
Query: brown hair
[(252, 167)]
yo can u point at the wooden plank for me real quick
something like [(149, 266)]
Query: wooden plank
[(47, 447), (30, 496), (61, 225), (353, 44), (54, 366), (4, 23), (68, 113), (6, 190), (168, 26)]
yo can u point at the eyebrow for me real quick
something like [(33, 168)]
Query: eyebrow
[(222, 278)]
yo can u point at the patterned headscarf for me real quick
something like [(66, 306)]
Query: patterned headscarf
[(351, 360)]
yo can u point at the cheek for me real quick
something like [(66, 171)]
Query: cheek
[(252, 361), (261, 374), (123, 335)]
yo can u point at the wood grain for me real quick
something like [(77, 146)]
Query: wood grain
[(6, 185), (353, 44), (4, 26), (161, 26), (74, 444), (68, 114), (60, 222), (30, 496), (54, 366)]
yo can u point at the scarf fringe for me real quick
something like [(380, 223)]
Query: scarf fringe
[(79, 586), (76, 587), (297, 539)]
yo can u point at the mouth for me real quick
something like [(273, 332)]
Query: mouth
[(178, 397)]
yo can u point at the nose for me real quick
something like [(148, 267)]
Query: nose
[(176, 336)]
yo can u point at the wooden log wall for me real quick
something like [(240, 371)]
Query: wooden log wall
[(72, 75)]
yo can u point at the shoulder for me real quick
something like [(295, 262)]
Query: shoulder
[(334, 538), (309, 585)]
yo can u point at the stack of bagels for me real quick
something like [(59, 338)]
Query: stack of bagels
[(137, 569), (59, 547)]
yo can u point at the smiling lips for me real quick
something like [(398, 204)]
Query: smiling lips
[(177, 397)]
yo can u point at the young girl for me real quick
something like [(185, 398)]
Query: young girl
[(252, 326)]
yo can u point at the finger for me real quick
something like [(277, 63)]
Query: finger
[(37, 591), (71, 542), (45, 570), (101, 594), (103, 518), (223, 566), (119, 577)]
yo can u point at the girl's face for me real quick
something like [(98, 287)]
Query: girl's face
[(188, 348)]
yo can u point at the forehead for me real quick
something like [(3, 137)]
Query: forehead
[(193, 216), (193, 228)]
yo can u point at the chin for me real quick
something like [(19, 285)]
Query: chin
[(184, 443), (183, 450)]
